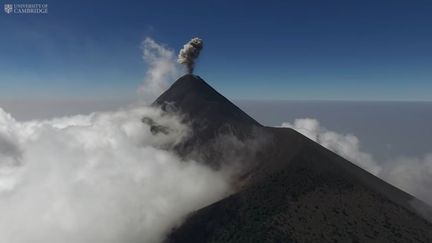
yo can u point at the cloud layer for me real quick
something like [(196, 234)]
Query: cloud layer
[(97, 178), (413, 175)]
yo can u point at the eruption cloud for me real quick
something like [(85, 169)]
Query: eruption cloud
[(190, 53)]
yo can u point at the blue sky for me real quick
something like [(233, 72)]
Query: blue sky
[(295, 50)]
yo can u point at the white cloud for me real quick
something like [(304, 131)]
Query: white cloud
[(411, 174), (162, 69), (97, 178), (346, 145), (414, 175)]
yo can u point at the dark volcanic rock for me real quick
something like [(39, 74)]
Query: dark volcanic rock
[(200, 102), (296, 190), (308, 195), (209, 114)]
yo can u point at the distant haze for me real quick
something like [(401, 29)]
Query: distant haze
[(29, 109), (385, 129)]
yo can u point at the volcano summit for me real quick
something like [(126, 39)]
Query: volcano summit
[(292, 189)]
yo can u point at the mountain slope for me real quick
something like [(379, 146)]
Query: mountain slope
[(311, 196), (199, 101), (209, 114), (296, 190)]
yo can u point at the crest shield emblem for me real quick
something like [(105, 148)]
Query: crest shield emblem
[(8, 8)]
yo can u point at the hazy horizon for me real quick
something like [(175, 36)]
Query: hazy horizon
[(384, 128)]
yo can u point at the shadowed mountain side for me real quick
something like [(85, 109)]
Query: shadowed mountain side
[(199, 102), (209, 114), (302, 192), (290, 189), (288, 143)]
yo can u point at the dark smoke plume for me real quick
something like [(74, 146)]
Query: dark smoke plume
[(190, 53)]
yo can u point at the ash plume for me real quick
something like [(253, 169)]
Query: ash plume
[(190, 53)]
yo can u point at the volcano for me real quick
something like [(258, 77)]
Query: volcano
[(292, 189)]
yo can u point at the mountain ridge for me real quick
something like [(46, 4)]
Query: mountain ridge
[(291, 181)]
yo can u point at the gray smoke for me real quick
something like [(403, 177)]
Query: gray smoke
[(190, 53)]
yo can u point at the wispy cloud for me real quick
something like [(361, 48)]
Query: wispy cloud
[(414, 175), (162, 69)]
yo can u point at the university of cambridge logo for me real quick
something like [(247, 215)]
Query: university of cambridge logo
[(8, 8)]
